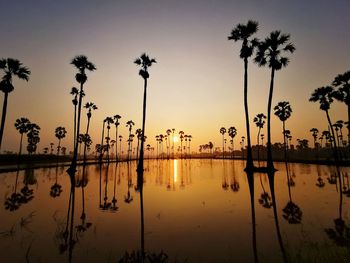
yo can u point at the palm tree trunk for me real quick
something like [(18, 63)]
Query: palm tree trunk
[(140, 164), (85, 146), (223, 146), (20, 146), (103, 134), (3, 117), (284, 141), (75, 123), (249, 165), (72, 169), (336, 157), (269, 148), (258, 140), (116, 142), (348, 125)]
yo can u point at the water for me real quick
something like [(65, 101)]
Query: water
[(194, 211)]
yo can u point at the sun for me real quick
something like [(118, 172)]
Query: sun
[(175, 139)]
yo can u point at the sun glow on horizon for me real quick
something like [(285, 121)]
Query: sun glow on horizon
[(175, 139)]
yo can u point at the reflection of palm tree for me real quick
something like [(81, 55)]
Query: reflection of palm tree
[(259, 121), (250, 177), (244, 32), (11, 67), (144, 62), (56, 189), (114, 199), (270, 53), (320, 183), (82, 64), (128, 198), (265, 199), (283, 111)]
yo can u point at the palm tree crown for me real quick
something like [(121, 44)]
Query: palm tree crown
[(283, 110), (82, 63), (325, 95), (12, 67), (144, 62), (60, 132), (259, 120), (22, 125)]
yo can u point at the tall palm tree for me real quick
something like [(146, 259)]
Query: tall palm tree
[(144, 62), (11, 67), (325, 96), (82, 64), (342, 81), (182, 134), (33, 137), (338, 126), (314, 133), (102, 140), (168, 132), (129, 124), (232, 132), (109, 121), (283, 111), (60, 133), (22, 126), (138, 134), (173, 131), (244, 33), (259, 121), (75, 92), (89, 106), (270, 53), (223, 131), (116, 123)]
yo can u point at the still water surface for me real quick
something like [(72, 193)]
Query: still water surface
[(194, 211)]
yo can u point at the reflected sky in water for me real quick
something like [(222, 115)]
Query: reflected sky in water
[(194, 210)]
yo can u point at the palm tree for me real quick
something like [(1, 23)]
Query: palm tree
[(283, 111), (102, 139), (168, 132), (232, 132), (189, 137), (144, 62), (117, 123), (33, 137), (244, 32), (22, 127), (60, 133), (270, 53), (82, 63), (129, 124), (259, 121), (314, 132), (138, 134), (109, 121), (181, 133), (338, 126), (342, 81), (173, 131), (325, 95), (223, 131), (89, 106), (75, 92), (11, 67)]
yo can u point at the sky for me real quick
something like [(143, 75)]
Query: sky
[(197, 83)]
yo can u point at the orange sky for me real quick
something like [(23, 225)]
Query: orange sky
[(197, 84)]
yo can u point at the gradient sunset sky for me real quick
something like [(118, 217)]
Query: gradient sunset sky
[(197, 84)]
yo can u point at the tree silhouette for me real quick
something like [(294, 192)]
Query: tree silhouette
[(75, 92), (223, 131), (144, 62), (60, 133), (283, 111), (89, 106), (270, 53), (102, 140), (232, 132), (116, 123), (181, 133), (314, 133), (33, 137), (82, 64), (11, 67), (21, 126), (342, 81), (109, 121), (325, 95), (259, 121), (138, 134), (243, 33)]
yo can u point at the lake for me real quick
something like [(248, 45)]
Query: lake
[(197, 210)]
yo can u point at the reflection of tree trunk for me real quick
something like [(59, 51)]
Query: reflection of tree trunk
[(71, 241), (271, 177), (83, 193), (103, 134), (340, 193), (288, 182), (100, 195), (142, 222), (250, 177), (336, 157)]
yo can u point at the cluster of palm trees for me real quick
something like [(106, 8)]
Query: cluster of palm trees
[(268, 52), (32, 130), (206, 147), (338, 90), (232, 132)]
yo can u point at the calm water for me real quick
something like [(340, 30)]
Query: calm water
[(194, 210)]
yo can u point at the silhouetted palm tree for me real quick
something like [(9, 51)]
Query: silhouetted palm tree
[(270, 53), (223, 131), (243, 33), (314, 132), (138, 134), (22, 127), (232, 132), (144, 62), (283, 111), (60, 133), (338, 126), (116, 123), (259, 121), (82, 64), (11, 67), (173, 132), (325, 95), (181, 133), (89, 106), (75, 92), (109, 121), (33, 137), (168, 132), (342, 81), (129, 124), (102, 140)]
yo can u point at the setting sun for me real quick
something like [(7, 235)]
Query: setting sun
[(175, 138)]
